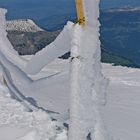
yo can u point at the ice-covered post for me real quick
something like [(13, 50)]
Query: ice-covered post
[(87, 83)]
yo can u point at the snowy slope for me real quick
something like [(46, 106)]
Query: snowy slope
[(121, 115), (23, 125), (24, 25), (122, 112)]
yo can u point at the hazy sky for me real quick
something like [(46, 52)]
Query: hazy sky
[(104, 3), (119, 3), (49, 11)]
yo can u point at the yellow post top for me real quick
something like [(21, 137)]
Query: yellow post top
[(80, 12)]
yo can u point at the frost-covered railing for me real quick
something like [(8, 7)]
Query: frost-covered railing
[(88, 86), (15, 67), (87, 95)]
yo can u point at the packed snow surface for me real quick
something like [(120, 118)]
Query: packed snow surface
[(121, 114), (24, 25), (23, 125)]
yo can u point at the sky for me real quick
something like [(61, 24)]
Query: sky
[(119, 3), (53, 11)]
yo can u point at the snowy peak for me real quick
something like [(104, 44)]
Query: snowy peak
[(24, 25)]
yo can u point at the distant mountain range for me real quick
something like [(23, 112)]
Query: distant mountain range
[(125, 9), (120, 32)]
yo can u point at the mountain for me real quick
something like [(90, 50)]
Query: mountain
[(120, 32), (125, 9), (23, 25), (28, 38), (109, 57), (27, 43)]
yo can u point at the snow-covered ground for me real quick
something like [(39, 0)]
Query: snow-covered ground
[(18, 124), (121, 114)]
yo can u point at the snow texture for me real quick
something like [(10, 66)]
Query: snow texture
[(5, 45), (87, 88), (57, 48), (36, 125)]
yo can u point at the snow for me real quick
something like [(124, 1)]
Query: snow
[(23, 125), (52, 51), (121, 114), (88, 85), (122, 110), (14, 66), (24, 25), (43, 57), (5, 45)]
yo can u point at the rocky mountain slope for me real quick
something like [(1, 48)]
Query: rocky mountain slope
[(27, 43)]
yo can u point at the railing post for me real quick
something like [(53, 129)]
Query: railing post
[(80, 12)]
